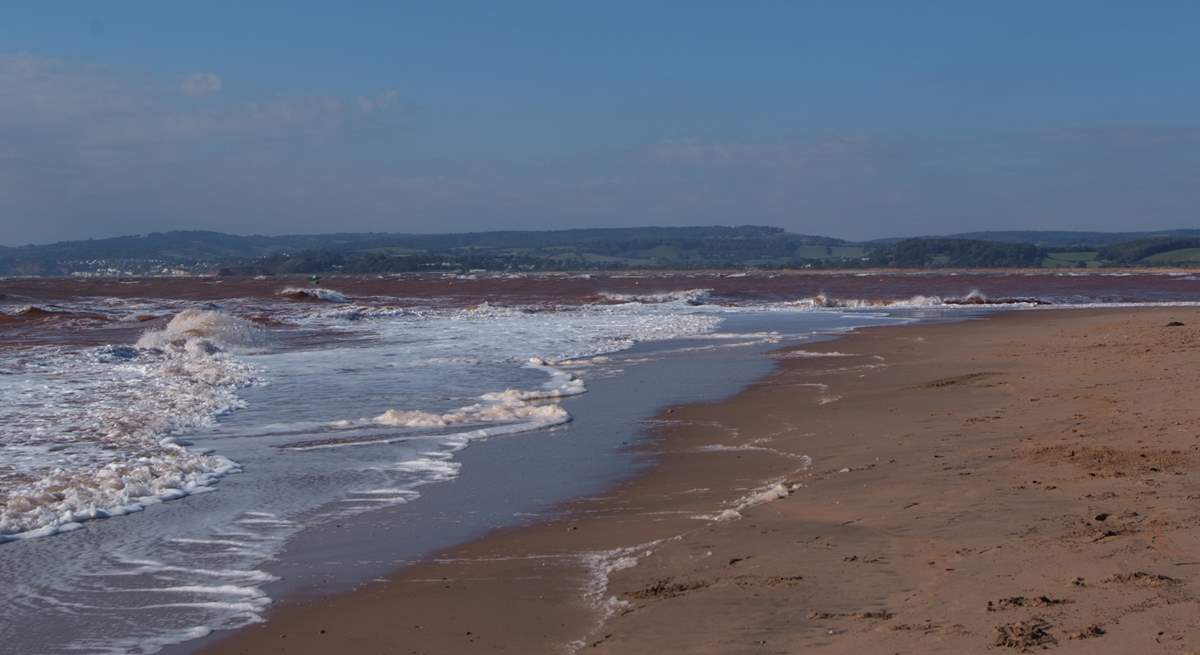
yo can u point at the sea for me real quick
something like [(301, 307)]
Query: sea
[(178, 454)]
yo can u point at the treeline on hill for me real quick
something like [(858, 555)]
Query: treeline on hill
[(761, 251), (1161, 250), (600, 248), (958, 253), (639, 248), (747, 246)]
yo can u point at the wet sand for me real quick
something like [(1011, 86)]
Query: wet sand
[(1027, 481)]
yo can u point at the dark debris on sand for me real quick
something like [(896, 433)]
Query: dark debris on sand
[(878, 615), (1142, 578), (1025, 635), (1013, 602), (666, 589), (1089, 632)]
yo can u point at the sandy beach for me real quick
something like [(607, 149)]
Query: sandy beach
[(393, 328), (1022, 482)]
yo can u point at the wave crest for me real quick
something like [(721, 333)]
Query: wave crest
[(689, 297), (177, 379), (974, 297), (314, 293), (198, 330)]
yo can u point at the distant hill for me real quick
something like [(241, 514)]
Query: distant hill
[(958, 253), (1069, 239), (1158, 250), (600, 248), (746, 246)]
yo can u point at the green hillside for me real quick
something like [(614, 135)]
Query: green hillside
[(746, 246)]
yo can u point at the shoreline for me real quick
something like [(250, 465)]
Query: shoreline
[(514, 480), (805, 571)]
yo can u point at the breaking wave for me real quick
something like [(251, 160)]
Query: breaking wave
[(36, 313), (314, 293), (203, 330), (690, 297), (114, 453), (974, 298)]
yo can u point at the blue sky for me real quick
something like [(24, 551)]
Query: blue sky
[(855, 119)]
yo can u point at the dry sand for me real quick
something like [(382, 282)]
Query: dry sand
[(1029, 481)]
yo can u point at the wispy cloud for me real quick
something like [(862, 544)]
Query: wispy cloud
[(201, 84), (88, 150), (100, 106), (92, 150)]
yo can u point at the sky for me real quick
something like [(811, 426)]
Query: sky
[(848, 119)]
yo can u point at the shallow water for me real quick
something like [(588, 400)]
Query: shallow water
[(284, 437)]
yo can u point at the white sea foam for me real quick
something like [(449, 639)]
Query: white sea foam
[(802, 354), (600, 566), (367, 312), (561, 385), (689, 296), (494, 420), (753, 446), (768, 493), (141, 644), (823, 301), (142, 566), (772, 492), (198, 331), (973, 298), (211, 590), (495, 413), (509, 411), (113, 453), (229, 543)]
